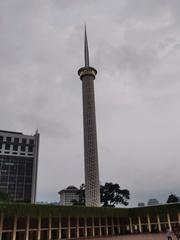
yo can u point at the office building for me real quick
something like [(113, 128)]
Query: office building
[(18, 165)]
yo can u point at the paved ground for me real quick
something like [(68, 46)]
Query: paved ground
[(155, 236)]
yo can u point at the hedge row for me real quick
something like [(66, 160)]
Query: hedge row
[(21, 209), (35, 210), (162, 209)]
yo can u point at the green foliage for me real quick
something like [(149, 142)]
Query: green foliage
[(173, 198), (112, 195), (4, 197), (162, 209), (81, 193), (35, 210)]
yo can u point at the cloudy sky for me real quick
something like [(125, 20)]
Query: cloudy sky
[(135, 46)]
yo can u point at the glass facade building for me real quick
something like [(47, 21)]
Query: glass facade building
[(18, 165)]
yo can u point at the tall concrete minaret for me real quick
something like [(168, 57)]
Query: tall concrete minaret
[(87, 75)]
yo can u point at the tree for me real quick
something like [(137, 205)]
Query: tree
[(173, 198), (82, 194), (111, 195), (4, 197)]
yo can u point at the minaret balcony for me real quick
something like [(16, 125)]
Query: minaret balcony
[(87, 71)]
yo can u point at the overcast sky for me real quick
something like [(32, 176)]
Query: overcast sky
[(135, 46)]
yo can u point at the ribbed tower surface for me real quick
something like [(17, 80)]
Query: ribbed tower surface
[(92, 188)]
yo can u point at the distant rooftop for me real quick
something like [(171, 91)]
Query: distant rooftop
[(152, 201), (11, 132), (19, 133), (70, 188)]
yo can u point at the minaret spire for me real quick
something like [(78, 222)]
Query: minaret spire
[(86, 50), (87, 75)]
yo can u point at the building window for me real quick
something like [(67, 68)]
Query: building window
[(28, 173), (30, 149), (7, 146), (13, 170), (21, 169), (12, 179), (24, 141), (4, 179), (15, 147), (31, 141), (1, 138), (16, 140), (8, 139), (23, 148)]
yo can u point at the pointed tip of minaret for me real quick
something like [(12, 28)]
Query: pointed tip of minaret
[(86, 50)]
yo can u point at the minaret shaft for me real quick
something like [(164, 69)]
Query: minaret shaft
[(92, 188)]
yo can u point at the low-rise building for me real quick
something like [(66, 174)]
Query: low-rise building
[(141, 204), (152, 201), (69, 194)]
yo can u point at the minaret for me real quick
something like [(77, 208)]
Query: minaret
[(87, 75)]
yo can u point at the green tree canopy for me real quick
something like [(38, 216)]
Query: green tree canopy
[(172, 198), (111, 195)]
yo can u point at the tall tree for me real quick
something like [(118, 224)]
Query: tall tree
[(173, 198), (111, 195)]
